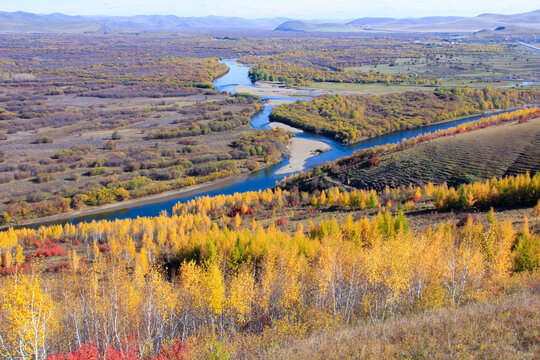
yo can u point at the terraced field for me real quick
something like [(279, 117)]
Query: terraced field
[(482, 154)]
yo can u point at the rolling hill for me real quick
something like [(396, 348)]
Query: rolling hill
[(23, 22), (529, 21), (495, 151)]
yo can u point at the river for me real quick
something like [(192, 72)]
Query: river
[(266, 178)]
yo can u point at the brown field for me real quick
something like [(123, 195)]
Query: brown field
[(34, 172)]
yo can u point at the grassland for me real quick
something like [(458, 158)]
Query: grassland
[(90, 120), (505, 327)]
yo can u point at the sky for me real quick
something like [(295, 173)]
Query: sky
[(298, 9)]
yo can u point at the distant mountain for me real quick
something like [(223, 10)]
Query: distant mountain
[(308, 26), (509, 32), (18, 22), (22, 22), (530, 20), (172, 22)]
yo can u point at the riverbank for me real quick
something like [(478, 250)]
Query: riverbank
[(278, 125), (268, 89), (299, 151), (131, 203)]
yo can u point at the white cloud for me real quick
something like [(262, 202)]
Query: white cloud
[(305, 9)]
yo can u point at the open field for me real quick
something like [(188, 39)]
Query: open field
[(81, 127), (160, 146), (344, 88), (383, 66), (504, 327)]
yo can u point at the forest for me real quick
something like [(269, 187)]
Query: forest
[(351, 118), (213, 281), (303, 67)]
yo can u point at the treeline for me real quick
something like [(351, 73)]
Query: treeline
[(335, 63), (507, 192), (349, 118), (511, 191), (302, 76)]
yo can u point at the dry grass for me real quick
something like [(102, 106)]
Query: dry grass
[(507, 328)]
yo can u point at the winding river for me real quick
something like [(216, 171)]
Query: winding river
[(266, 178)]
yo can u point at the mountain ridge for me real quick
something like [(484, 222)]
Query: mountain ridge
[(24, 22), (527, 21)]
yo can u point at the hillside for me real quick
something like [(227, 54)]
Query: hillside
[(255, 275), (482, 154), (19, 22), (508, 32), (479, 331)]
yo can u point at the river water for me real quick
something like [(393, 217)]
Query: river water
[(267, 178)]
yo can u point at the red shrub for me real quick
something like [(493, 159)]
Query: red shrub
[(33, 241), (415, 198), (85, 352), (102, 248), (374, 161), (25, 268), (49, 249), (175, 351), (281, 221)]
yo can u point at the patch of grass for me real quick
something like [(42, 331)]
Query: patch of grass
[(503, 329)]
